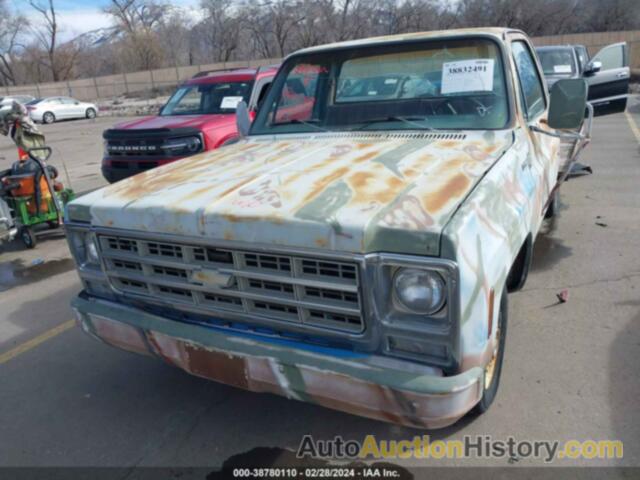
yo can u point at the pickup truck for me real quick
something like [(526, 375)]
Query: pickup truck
[(199, 116), (355, 248), (607, 73)]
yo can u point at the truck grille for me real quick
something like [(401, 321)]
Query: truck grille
[(274, 288), (135, 148)]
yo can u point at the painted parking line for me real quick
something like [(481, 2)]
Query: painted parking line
[(34, 342), (633, 126)]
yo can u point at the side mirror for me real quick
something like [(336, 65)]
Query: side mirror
[(592, 67), (568, 104), (243, 121)]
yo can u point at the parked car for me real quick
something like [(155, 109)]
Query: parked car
[(52, 109), (355, 250), (199, 116), (8, 229), (6, 102), (607, 73)]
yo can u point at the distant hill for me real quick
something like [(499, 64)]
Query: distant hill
[(98, 37)]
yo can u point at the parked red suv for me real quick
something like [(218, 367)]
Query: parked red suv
[(199, 116)]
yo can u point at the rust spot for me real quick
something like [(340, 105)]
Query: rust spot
[(411, 173), (454, 188), (491, 148), (196, 193), (321, 242), (218, 366), (448, 143), (228, 235), (233, 218), (370, 187), (236, 187), (365, 157), (360, 179), (324, 182)]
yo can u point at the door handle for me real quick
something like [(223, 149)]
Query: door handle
[(621, 75)]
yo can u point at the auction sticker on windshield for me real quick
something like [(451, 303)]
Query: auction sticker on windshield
[(230, 102), (562, 69), (467, 76)]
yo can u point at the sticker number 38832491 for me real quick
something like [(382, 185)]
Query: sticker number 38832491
[(467, 76)]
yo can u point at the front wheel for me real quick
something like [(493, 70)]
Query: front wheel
[(28, 237), (91, 113), (48, 117), (491, 379)]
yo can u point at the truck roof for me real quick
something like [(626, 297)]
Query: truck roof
[(238, 75), (492, 31)]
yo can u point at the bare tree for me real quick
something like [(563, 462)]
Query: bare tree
[(10, 29), (139, 20), (47, 34), (221, 28)]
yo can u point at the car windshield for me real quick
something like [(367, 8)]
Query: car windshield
[(33, 102), (457, 84), (557, 61), (208, 99)]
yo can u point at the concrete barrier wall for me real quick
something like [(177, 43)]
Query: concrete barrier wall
[(151, 82), (145, 83)]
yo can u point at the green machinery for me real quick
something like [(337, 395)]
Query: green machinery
[(34, 197)]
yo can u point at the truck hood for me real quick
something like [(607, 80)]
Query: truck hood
[(346, 192), (201, 122)]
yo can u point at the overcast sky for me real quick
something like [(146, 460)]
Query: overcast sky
[(78, 16)]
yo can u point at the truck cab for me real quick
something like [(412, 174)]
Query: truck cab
[(199, 116), (356, 247)]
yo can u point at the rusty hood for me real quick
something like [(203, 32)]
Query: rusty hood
[(345, 192)]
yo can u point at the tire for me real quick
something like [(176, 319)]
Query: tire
[(48, 117), (90, 113), (492, 379), (554, 205), (28, 237)]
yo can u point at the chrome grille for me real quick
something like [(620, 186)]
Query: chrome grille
[(274, 288)]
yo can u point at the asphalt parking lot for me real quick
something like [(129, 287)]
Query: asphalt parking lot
[(571, 369)]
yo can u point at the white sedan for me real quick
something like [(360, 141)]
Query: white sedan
[(51, 109)]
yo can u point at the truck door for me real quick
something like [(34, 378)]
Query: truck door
[(609, 86), (542, 164)]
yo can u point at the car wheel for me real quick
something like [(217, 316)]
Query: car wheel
[(91, 113), (491, 378), (48, 117), (28, 237)]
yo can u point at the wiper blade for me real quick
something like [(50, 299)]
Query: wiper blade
[(295, 121), (413, 121)]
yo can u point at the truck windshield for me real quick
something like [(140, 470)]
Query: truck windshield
[(557, 61), (455, 84), (214, 98)]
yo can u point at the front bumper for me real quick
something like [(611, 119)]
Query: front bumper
[(357, 384)]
